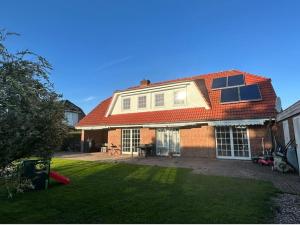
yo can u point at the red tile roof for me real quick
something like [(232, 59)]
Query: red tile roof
[(234, 111)]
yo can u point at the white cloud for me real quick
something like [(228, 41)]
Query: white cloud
[(113, 63), (88, 99)]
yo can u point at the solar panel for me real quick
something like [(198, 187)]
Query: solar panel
[(250, 93), (229, 95), (236, 80), (219, 83)]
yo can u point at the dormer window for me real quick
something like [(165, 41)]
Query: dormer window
[(126, 103), (142, 102), (179, 97), (159, 100)]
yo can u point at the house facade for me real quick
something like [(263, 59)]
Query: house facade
[(224, 115)]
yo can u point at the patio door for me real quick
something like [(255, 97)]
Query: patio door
[(130, 141), (233, 143), (296, 122), (167, 141)]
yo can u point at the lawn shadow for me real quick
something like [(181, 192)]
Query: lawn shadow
[(127, 193)]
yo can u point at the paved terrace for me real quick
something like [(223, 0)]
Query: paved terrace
[(287, 183)]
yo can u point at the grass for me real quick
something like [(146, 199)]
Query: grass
[(122, 193)]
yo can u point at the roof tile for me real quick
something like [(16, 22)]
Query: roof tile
[(241, 110)]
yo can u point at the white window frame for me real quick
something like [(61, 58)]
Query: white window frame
[(127, 98), (232, 146), (286, 131), (174, 97), (138, 102), (132, 149), (163, 97)]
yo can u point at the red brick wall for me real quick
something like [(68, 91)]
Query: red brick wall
[(198, 142), (256, 133), (147, 136), (114, 137)]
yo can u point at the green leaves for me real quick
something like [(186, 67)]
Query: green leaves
[(31, 114)]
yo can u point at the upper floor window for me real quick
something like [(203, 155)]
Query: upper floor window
[(71, 118), (126, 103), (179, 97), (159, 99), (142, 102)]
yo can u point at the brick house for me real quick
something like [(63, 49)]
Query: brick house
[(224, 115)]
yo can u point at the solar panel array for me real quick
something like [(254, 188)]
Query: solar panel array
[(242, 93), (225, 82), (234, 89)]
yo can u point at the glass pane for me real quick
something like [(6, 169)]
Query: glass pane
[(219, 83), (229, 95), (223, 141), (236, 80), (240, 140)]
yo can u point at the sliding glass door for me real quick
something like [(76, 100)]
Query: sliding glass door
[(167, 142)]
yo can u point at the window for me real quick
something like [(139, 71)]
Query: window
[(142, 102), (179, 97), (126, 103), (232, 142), (130, 140), (71, 118), (159, 100)]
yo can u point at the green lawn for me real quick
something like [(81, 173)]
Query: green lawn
[(121, 193)]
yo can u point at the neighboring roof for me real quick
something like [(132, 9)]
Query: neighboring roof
[(70, 106), (234, 111), (291, 111)]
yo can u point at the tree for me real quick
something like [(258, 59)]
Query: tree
[(31, 114)]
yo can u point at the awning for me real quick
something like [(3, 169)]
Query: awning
[(210, 123), (238, 122)]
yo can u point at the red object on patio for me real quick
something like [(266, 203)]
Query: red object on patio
[(59, 178)]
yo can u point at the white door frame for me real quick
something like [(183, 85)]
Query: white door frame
[(131, 145), (297, 137), (232, 148)]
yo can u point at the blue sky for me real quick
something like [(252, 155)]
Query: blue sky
[(97, 47)]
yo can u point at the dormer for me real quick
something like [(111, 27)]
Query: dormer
[(149, 97)]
